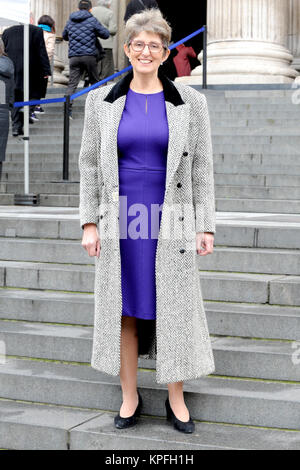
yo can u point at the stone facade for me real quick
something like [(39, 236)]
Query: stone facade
[(249, 41)]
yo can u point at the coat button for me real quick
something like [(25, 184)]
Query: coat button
[(179, 185), (185, 154), (182, 250), (101, 216), (181, 218)]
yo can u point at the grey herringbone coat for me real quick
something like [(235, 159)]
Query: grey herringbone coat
[(180, 340)]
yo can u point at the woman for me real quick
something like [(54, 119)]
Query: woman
[(7, 85), (47, 24), (146, 143)]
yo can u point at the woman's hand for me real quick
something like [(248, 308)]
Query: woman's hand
[(205, 240), (91, 240)]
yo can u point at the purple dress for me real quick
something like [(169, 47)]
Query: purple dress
[(142, 147)]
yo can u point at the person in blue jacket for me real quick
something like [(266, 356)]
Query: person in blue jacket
[(82, 30)]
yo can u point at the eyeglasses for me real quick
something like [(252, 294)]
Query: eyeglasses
[(139, 46)]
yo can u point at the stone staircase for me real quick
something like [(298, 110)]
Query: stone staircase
[(51, 398)]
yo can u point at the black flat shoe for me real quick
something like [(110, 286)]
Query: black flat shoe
[(122, 423), (183, 426)]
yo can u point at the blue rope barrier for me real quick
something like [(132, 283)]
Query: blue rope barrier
[(19, 104)]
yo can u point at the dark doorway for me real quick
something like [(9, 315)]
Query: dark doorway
[(185, 18)]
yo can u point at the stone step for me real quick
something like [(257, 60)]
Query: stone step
[(33, 426), (234, 357), (283, 206), (244, 230), (247, 106), (256, 169), (46, 200), (222, 114), (259, 160), (260, 93), (38, 176), (232, 287), (13, 147), (251, 123), (227, 259), (256, 192), (263, 131), (257, 180), (231, 146), (45, 188), (224, 318), (210, 398), (261, 141)]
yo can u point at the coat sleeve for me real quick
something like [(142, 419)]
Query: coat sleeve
[(202, 170), (112, 26), (100, 31), (65, 33), (90, 181)]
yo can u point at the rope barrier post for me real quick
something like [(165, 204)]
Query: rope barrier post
[(66, 137), (204, 69)]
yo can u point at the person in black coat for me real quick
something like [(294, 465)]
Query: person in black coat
[(39, 67), (7, 86), (136, 6)]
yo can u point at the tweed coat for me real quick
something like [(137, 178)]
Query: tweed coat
[(179, 339)]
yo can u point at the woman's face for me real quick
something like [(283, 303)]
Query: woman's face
[(146, 61)]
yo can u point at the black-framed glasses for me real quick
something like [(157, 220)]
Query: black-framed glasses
[(139, 46)]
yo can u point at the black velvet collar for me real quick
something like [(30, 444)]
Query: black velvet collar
[(122, 86)]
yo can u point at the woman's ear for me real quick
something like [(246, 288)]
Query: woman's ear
[(166, 54), (126, 50)]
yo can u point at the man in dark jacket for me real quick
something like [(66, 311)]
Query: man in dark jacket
[(82, 30), (39, 67), (136, 6)]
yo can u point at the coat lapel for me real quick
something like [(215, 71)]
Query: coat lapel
[(109, 125), (178, 121)]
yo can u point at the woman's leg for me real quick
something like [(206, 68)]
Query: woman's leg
[(129, 363), (176, 400)]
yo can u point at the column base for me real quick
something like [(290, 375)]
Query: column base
[(244, 62)]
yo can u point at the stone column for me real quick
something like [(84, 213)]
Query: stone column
[(294, 32), (247, 43), (120, 9)]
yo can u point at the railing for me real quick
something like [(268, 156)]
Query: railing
[(68, 98)]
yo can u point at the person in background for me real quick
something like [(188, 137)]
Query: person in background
[(81, 31), (47, 24), (7, 86), (105, 16), (136, 6), (181, 60), (39, 69)]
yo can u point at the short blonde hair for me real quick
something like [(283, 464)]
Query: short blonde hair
[(150, 20)]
